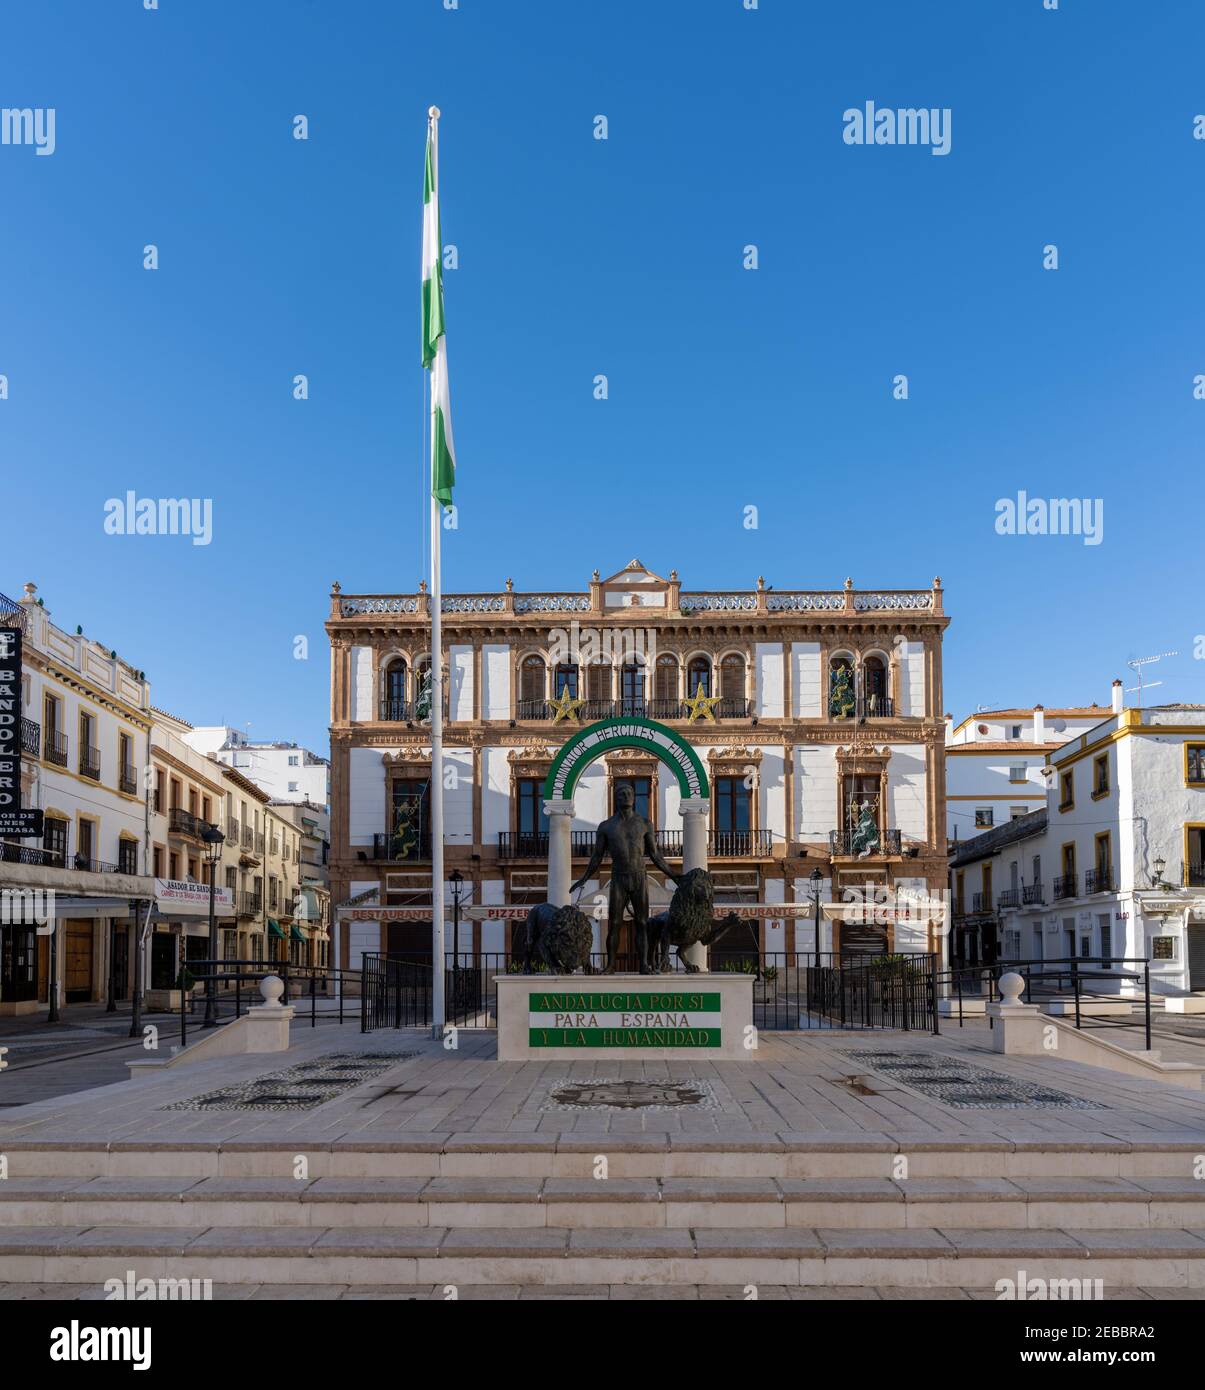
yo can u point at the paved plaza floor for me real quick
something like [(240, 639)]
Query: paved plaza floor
[(816, 1084)]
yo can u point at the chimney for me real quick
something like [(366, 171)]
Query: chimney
[(1039, 724), (1118, 701)]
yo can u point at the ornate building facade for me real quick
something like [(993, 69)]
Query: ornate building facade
[(817, 715)]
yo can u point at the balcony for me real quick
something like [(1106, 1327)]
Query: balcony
[(127, 780), (232, 831), (1098, 881), (31, 738), (89, 763), (404, 711), (981, 902), (1065, 887), (876, 707), (259, 845), (182, 822), (632, 708), (93, 866), (1010, 897), (248, 838), (846, 843), (12, 853), (250, 904), (1193, 875), (396, 850), (722, 844), (56, 748), (1032, 894), (11, 613)]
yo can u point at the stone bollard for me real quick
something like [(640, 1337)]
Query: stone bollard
[(268, 1023), (1019, 1029)]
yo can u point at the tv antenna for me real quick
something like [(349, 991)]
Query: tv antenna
[(1136, 666)]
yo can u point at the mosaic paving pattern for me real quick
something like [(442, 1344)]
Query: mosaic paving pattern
[(656, 1096), (964, 1086), (303, 1087)]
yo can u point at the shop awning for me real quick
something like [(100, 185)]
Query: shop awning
[(275, 929), (295, 934)]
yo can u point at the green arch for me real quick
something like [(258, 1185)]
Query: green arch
[(592, 742)]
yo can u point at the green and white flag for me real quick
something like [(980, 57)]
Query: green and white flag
[(435, 351)]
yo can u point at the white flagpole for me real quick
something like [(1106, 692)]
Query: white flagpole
[(437, 695)]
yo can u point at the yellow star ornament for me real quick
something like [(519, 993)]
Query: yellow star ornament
[(566, 707), (701, 707)]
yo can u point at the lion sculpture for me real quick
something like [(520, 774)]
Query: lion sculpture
[(558, 938), (688, 921)]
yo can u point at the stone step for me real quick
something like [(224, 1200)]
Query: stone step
[(783, 1156), (447, 1258), (1020, 1203)]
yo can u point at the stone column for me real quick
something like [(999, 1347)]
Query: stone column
[(560, 850), (695, 811)]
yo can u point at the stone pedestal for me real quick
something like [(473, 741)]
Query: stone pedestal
[(560, 850), (1019, 1029), (625, 1017), (695, 811)]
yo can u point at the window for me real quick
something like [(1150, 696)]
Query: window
[(532, 820), (292, 786), (207, 811), (1100, 776), (841, 701), (54, 842), (160, 805), (642, 787), (192, 871), (1194, 764), (157, 861), (125, 757), (734, 805), (410, 827), (598, 681), (1106, 938), (698, 677), (1016, 812), (732, 679), (1014, 731), (666, 679), (294, 761), (874, 685), (983, 817), (127, 856), (89, 753), (1194, 850), (1163, 948), (565, 678), (54, 743), (531, 681), (173, 865), (86, 843), (632, 688), (1067, 798), (395, 690), (1019, 772)]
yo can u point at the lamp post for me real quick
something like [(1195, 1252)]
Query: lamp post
[(456, 879), (214, 839), (816, 878), (1160, 865)]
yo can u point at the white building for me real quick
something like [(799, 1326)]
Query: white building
[(284, 770), (1118, 872), (995, 761)]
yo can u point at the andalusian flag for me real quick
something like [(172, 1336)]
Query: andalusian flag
[(435, 352)]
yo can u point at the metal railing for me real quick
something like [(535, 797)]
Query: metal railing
[(56, 748), (11, 613), (1193, 875), (127, 780), (93, 866), (846, 842), (248, 838), (633, 707), (14, 853), (182, 822), (1009, 897), (236, 989), (89, 762), (876, 707), (1098, 881), (1065, 886), (722, 844), (250, 904), (981, 902), (233, 830), (397, 849), (1033, 893), (31, 738)]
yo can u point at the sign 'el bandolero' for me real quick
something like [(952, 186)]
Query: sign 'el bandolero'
[(597, 739), (16, 823)]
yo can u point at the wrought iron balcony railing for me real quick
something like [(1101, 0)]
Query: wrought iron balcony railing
[(233, 830), (1065, 886), (876, 707), (1009, 897), (1193, 875), (93, 866), (248, 838), (1033, 893), (402, 848), (182, 822), (404, 711), (56, 748), (632, 707), (981, 902), (250, 904), (31, 738), (1098, 881), (722, 844), (851, 843), (89, 763), (127, 780)]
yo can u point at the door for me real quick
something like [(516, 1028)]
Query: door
[(163, 960), (1196, 957), (77, 981), (121, 961), (409, 941)]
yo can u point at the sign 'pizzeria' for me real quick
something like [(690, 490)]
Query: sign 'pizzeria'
[(611, 1018)]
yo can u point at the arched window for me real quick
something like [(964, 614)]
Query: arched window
[(598, 681), (393, 691), (874, 686), (665, 686), (631, 688), (565, 678), (698, 676), (841, 699), (732, 684), (531, 686), (421, 707)]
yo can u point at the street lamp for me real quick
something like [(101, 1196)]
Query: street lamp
[(1160, 865), (214, 839), (456, 879), (816, 878)]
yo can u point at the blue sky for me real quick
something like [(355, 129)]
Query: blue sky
[(727, 387)]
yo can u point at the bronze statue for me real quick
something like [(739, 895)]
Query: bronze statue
[(558, 938), (627, 837), (688, 921)]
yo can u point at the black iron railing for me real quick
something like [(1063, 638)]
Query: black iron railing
[(56, 748), (1033, 893), (1193, 875), (633, 707), (128, 780), (876, 707), (394, 993), (11, 613), (250, 904), (981, 902), (849, 842), (1098, 881), (89, 763), (398, 848), (1065, 886), (93, 866), (31, 738), (396, 711), (13, 853), (1009, 897), (182, 822)]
